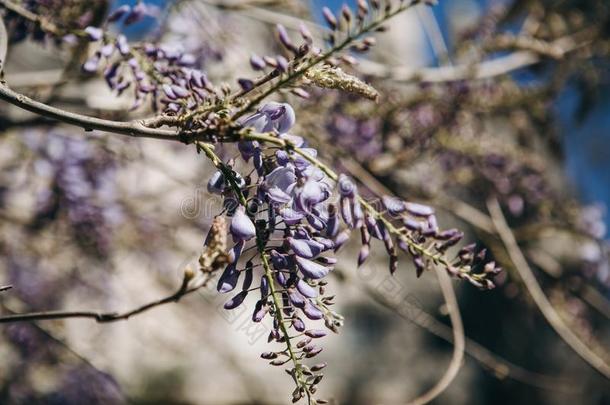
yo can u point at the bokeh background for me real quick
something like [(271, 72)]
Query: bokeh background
[(97, 221)]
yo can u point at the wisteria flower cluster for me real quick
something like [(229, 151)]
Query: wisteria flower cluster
[(283, 214), (166, 75), (77, 171), (296, 215)]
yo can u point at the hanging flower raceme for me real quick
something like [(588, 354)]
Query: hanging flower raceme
[(167, 75), (285, 216), (295, 215)]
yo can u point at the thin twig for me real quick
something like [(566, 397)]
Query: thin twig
[(526, 274), (3, 45), (440, 48), (478, 71), (301, 70), (42, 22), (434, 34), (458, 341), (5, 288), (104, 317)]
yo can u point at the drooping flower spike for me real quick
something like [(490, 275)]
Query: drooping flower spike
[(302, 216)]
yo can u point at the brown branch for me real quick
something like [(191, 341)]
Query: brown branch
[(3, 45), (136, 129), (104, 317), (498, 366), (477, 71), (42, 22), (458, 341), (526, 274)]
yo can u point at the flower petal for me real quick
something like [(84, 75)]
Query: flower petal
[(298, 324), (216, 184), (228, 279), (296, 298), (365, 250), (394, 205), (236, 301), (302, 248), (419, 210), (278, 196), (281, 177), (311, 311), (307, 290), (312, 269), (290, 216), (242, 227), (347, 188)]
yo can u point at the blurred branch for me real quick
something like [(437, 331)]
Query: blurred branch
[(104, 317), (3, 45), (136, 129), (440, 49), (596, 300), (477, 71), (458, 341), (498, 366), (434, 34), (44, 24), (523, 269), (530, 52), (5, 288), (266, 15)]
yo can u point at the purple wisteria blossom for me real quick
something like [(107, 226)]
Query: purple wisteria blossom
[(297, 216), (166, 75)]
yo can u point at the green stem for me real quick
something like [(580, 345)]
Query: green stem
[(208, 150), (300, 71)]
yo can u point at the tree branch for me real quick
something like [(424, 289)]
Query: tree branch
[(458, 341), (498, 366), (524, 270), (476, 71), (136, 129), (104, 317), (3, 45), (42, 22)]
